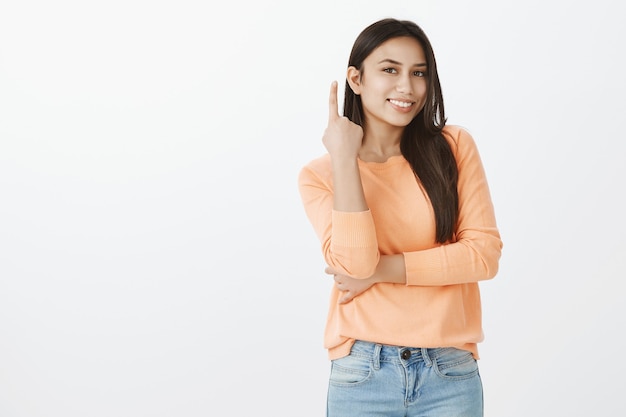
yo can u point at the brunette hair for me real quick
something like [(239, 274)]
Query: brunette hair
[(422, 144)]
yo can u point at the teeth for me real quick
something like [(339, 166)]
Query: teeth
[(400, 103)]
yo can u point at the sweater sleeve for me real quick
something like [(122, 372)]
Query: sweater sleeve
[(474, 253), (348, 239)]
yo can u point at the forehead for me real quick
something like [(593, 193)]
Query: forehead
[(405, 49)]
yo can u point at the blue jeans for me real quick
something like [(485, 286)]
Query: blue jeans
[(382, 380)]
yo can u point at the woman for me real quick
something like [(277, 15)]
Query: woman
[(402, 208)]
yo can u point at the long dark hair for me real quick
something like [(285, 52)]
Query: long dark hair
[(422, 144)]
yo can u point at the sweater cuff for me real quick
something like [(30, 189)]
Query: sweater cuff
[(353, 229), (418, 267)]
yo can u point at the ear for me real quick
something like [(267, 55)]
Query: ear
[(354, 80)]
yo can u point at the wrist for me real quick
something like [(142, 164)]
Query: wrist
[(343, 161), (390, 269)]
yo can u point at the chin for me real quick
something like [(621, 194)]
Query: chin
[(403, 122)]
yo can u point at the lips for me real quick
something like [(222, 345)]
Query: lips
[(401, 105)]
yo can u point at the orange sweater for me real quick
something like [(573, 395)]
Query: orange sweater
[(440, 304)]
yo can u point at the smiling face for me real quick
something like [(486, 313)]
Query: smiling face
[(391, 83)]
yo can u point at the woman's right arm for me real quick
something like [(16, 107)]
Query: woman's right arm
[(335, 203), (342, 140)]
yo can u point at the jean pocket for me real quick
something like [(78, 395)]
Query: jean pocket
[(350, 370), (452, 363)]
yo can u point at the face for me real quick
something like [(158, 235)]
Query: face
[(391, 83)]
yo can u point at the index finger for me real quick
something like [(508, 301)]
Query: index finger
[(333, 108)]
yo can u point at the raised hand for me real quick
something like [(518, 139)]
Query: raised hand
[(342, 138)]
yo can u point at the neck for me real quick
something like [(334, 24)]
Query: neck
[(380, 144)]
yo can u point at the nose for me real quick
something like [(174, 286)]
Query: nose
[(404, 85)]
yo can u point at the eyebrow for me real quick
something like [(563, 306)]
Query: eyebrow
[(391, 61)]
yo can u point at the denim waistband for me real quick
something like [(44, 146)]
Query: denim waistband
[(400, 354)]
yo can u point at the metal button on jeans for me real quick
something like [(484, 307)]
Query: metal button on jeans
[(406, 354)]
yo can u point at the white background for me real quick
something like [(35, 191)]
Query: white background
[(155, 259)]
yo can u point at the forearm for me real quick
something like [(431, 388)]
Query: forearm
[(473, 258), (390, 269), (348, 193), (349, 200), (348, 238)]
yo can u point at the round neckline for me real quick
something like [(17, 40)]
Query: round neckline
[(392, 160)]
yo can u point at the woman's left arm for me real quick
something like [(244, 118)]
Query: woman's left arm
[(474, 254)]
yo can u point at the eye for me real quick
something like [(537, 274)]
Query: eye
[(419, 73), (390, 70)]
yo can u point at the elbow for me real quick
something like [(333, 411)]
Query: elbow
[(485, 251), (363, 272), (360, 267), (491, 260), (491, 270)]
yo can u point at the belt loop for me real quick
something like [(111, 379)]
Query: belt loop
[(427, 360), (377, 348)]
